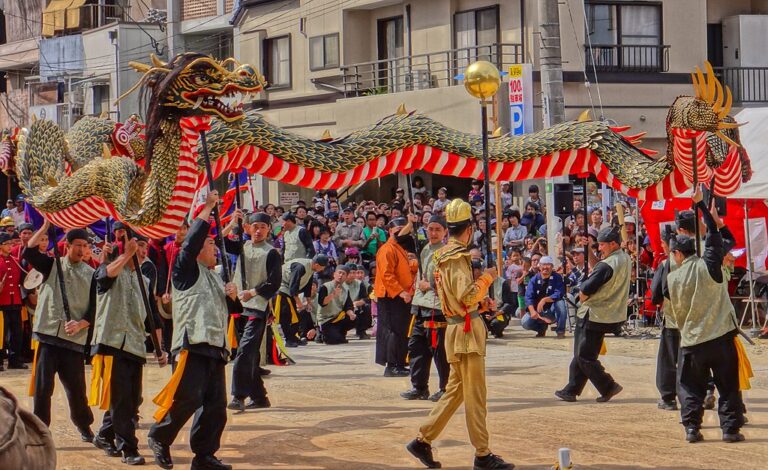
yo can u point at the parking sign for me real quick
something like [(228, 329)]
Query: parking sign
[(520, 99)]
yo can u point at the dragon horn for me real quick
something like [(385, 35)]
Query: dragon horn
[(106, 153), (157, 62), (711, 79), (696, 88), (497, 132), (702, 83), (728, 102), (719, 97), (34, 118), (730, 125), (726, 138), (584, 116), (401, 110), (139, 67)]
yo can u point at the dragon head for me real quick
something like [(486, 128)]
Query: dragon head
[(706, 111), (195, 84)]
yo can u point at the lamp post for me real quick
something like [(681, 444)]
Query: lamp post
[(482, 80)]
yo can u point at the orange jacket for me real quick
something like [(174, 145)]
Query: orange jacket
[(393, 271)]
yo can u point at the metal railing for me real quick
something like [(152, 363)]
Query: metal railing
[(423, 71), (94, 16), (627, 58), (747, 84)]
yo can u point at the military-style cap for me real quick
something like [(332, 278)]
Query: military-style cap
[(5, 237), (25, 226), (259, 217), (609, 234), (437, 219), (289, 216), (77, 234), (322, 260), (343, 267), (684, 244), (458, 213)]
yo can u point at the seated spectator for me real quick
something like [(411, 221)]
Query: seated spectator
[(533, 196), (325, 246), (418, 187), (515, 235), (476, 191), (442, 200), (544, 301)]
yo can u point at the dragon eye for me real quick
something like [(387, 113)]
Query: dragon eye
[(201, 79)]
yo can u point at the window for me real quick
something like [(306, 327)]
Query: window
[(625, 36), (476, 35), (324, 52), (100, 99), (277, 53)]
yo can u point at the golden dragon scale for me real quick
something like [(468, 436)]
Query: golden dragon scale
[(63, 178)]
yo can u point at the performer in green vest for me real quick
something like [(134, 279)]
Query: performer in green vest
[(119, 353), (465, 336), (297, 242), (427, 340), (60, 348), (201, 308), (335, 316), (297, 279), (603, 309), (263, 276), (699, 303), (359, 292)]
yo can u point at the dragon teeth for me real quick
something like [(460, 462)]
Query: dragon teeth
[(197, 103)]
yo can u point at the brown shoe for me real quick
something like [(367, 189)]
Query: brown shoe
[(561, 336)]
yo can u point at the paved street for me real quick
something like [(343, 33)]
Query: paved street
[(334, 410)]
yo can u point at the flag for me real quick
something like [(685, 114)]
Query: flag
[(227, 207)]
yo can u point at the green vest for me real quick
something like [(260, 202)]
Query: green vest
[(328, 312), (609, 303), (701, 306), (293, 247), (285, 285), (255, 272), (669, 319), (354, 287), (429, 298), (201, 312), (120, 315), (49, 314)]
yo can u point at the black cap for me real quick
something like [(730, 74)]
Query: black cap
[(398, 222), (77, 234), (347, 209), (343, 267), (118, 225), (352, 266), (25, 226), (684, 244), (437, 219), (5, 237), (609, 234), (322, 260), (289, 216), (20, 198), (259, 217)]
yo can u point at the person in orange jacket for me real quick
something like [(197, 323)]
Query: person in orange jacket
[(393, 288)]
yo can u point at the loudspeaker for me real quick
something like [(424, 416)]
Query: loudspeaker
[(563, 199)]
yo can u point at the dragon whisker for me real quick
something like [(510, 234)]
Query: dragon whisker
[(726, 138)]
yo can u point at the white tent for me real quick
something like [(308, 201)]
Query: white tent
[(754, 138)]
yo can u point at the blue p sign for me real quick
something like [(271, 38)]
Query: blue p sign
[(517, 119)]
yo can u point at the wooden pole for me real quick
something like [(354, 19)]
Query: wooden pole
[(219, 239)]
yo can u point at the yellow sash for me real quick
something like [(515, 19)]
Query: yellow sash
[(603, 348), (339, 317), (745, 367), (276, 310), (410, 330), (101, 381), (164, 399), (35, 346), (231, 333)]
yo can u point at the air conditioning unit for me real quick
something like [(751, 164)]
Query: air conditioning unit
[(418, 80)]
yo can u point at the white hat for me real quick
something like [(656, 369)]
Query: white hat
[(547, 260), (629, 219)]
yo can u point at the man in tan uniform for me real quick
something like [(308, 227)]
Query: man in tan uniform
[(465, 338)]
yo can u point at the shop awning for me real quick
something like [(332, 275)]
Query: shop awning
[(60, 15)]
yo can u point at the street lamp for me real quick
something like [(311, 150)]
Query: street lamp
[(482, 80)]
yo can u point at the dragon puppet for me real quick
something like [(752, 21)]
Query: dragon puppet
[(149, 179)]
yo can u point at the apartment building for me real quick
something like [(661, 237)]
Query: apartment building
[(61, 58)]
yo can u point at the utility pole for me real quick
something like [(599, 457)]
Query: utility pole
[(553, 102)]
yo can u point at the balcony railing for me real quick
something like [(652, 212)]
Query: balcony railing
[(88, 17), (423, 71), (627, 58), (747, 84)]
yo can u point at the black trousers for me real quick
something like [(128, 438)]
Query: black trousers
[(422, 354), (125, 397), (394, 317), (718, 356), (666, 364), (585, 364), (305, 323), (336, 333), (496, 326), (290, 330), (202, 392), (246, 378), (70, 365), (240, 323), (14, 335), (364, 320), (167, 334)]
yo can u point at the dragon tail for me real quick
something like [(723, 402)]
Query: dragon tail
[(41, 157)]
